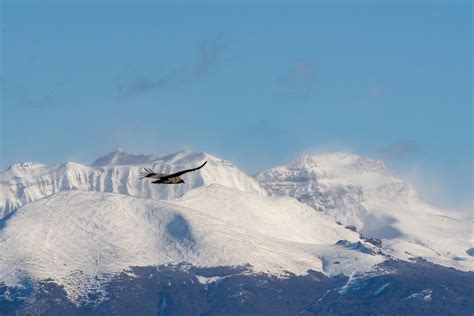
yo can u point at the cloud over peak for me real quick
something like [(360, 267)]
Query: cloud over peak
[(187, 73)]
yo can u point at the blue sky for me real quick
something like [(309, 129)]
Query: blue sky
[(252, 82)]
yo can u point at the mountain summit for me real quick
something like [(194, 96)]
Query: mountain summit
[(360, 193), (120, 157)]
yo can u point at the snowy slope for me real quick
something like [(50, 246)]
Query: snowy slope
[(116, 172), (361, 192), (78, 237)]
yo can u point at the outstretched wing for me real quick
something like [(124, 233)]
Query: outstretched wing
[(177, 174), (148, 173)]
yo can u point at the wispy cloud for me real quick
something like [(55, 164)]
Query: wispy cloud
[(206, 58), (398, 149), (372, 95), (435, 187), (300, 77), (22, 96)]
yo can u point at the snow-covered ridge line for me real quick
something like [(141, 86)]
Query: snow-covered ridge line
[(116, 172), (351, 189)]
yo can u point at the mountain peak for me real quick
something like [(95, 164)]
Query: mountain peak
[(338, 164), (27, 165), (185, 156), (120, 157)]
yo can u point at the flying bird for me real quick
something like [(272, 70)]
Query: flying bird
[(164, 178)]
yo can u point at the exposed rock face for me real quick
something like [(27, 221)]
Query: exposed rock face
[(340, 184), (351, 227)]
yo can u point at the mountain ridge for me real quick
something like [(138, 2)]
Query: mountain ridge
[(83, 227), (26, 182), (347, 189)]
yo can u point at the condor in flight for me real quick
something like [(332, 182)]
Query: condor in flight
[(164, 178)]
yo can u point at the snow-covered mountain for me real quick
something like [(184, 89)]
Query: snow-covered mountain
[(117, 172), (78, 238), (358, 191), (74, 231)]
